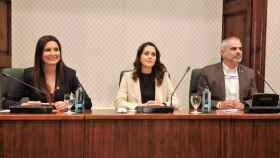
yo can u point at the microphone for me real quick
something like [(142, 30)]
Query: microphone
[(267, 83), (162, 109), (263, 102)]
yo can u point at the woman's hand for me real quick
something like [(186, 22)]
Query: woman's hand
[(60, 106), (153, 102), (31, 103)]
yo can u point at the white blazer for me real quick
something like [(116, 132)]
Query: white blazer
[(129, 94)]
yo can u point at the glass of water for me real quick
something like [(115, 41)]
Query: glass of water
[(195, 101), (69, 101)]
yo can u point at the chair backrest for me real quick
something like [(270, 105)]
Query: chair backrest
[(121, 75), (194, 82), (5, 82)]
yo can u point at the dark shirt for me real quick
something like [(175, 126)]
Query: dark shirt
[(69, 85), (147, 87)]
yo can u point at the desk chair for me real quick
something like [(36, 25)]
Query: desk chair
[(121, 75), (5, 82)]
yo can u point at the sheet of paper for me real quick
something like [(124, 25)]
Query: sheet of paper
[(228, 110), (6, 110)]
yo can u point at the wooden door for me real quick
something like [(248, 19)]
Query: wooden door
[(246, 19)]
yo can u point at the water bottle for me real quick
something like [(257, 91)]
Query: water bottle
[(206, 100), (79, 100)]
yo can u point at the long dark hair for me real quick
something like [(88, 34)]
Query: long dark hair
[(39, 78), (158, 69)]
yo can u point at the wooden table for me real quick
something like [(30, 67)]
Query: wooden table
[(104, 133)]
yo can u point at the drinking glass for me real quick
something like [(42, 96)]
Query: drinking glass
[(195, 101), (69, 101)]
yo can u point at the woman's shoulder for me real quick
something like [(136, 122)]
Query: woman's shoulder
[(69, 70), (28, 74), (126, 73), (167, 75)]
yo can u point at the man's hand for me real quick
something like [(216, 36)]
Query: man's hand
[(231, 104)]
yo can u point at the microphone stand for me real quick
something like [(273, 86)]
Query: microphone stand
[(26, 84), (179, 83), (29, 109), (260, 75)]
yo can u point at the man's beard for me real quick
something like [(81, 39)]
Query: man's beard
[(237, 60)]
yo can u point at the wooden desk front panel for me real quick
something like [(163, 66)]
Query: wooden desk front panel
[(250, 138), (152, 138), (138, 135), (42, 139)]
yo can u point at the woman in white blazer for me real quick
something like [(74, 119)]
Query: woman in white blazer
[(149, 82)]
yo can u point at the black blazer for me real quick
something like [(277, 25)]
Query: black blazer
[(69, 85)]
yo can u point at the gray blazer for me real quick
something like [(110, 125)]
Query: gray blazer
[(213, 76)]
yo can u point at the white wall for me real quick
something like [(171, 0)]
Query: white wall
[(100, 37), (272, 69)]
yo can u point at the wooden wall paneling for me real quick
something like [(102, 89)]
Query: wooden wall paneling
[(5, 33), (258, 39)]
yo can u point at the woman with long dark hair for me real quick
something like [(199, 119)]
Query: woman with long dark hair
[(149, 82), (50, 75)]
